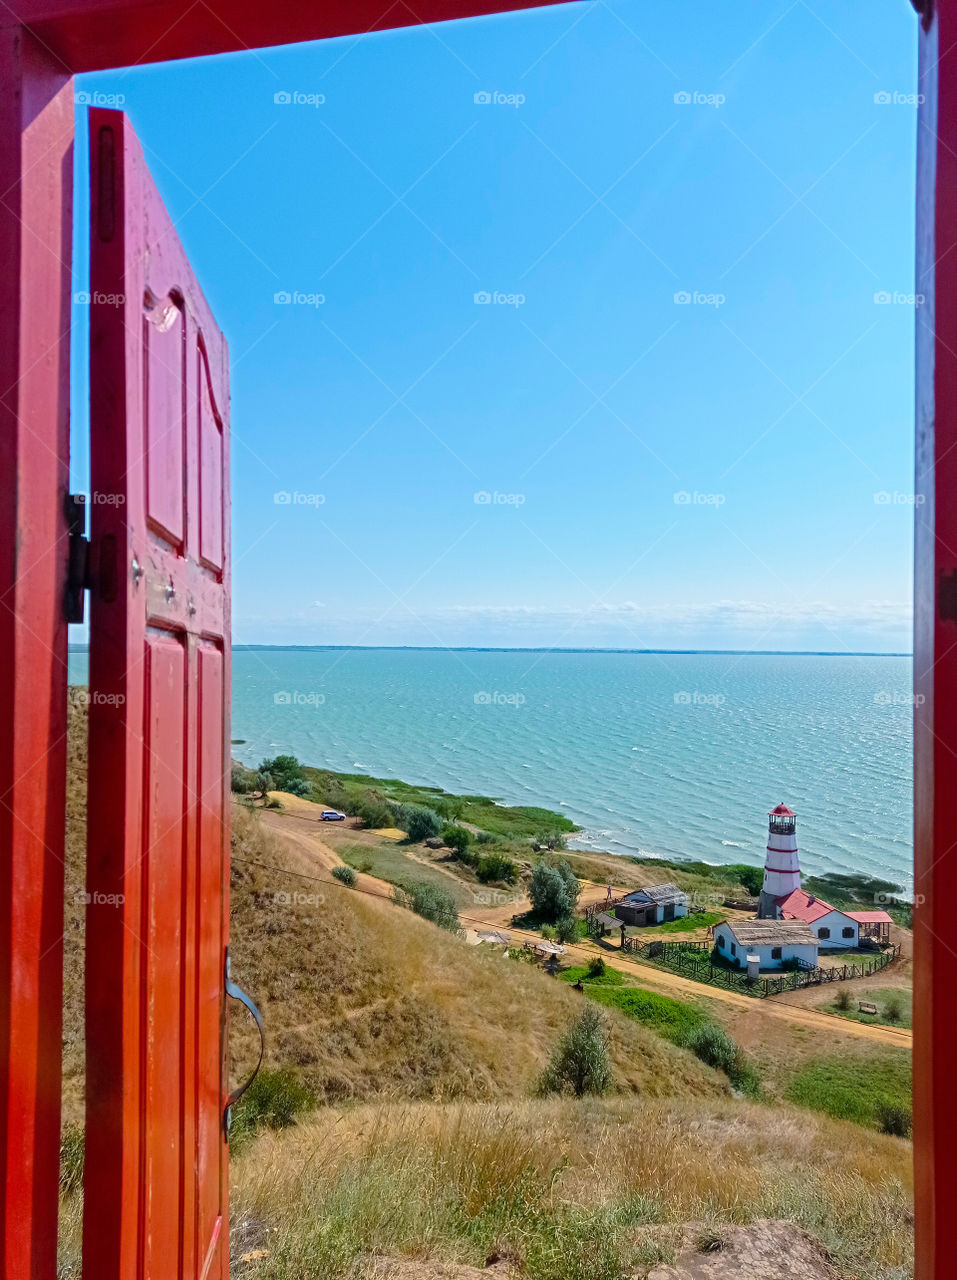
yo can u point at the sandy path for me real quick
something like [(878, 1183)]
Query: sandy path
[(299, 828)]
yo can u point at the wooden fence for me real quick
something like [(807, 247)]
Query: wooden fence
[(694, 960), (596, 908)]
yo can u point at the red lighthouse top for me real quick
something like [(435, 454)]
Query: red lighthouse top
[(782, 811)]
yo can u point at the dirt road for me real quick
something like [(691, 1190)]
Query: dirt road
[(302, 832)]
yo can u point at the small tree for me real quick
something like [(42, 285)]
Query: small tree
[(553, 890), (596, 967), (419, 822), (566, 929), (842, 1001), (264, 784), (456, 837), (581, 1063), (243, 780), (345, 875), (286, 772)]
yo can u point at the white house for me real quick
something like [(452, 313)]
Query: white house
[(782, 897), (774, 942), (831, 927)]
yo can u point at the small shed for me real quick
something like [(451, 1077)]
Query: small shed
[(652, 905), (774, 942), (606, 920)]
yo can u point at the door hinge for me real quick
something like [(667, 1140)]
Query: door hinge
[(78, 564), (926, 10)]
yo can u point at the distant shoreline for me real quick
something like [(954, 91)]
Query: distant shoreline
[(474, 648)]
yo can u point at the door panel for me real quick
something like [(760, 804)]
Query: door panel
[(158, 840)]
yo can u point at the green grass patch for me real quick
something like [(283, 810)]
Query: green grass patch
[(857, 1089), (887, 999), (670, 1018), (610, 978), (511, 821), (389, 862), (687, 924)]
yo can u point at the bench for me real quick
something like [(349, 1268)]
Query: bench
[(865, 1006)]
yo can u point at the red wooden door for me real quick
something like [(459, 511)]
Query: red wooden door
[(158, 843)]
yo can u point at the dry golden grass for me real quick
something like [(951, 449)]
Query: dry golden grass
[(366, 1000), (569, 1190)]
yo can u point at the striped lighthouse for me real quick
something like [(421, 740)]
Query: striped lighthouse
[(782, 872)]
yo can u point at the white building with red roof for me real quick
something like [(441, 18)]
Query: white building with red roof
[(782, 897)]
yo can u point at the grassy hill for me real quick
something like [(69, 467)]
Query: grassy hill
[(422, 1152), (363, 1000), (366, 1000)]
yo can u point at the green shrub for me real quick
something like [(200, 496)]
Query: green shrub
[(596, 967), (842, 1001), (430, 902), (242, 780), (486, 837), (580, 1064), (286, 773), (372, 811), (566, 929), (553, 890), (418, 822), (72, 1150), (715, 1048), (894, 1119), (457, 838), (346, 876), (894, 1009), (272, 1101), (496, 866)]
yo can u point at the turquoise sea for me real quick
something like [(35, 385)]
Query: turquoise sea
[(662, 754)]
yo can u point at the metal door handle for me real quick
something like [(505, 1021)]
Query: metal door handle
[(237, 993)]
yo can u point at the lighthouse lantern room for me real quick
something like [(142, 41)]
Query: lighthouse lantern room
[(782, 871)]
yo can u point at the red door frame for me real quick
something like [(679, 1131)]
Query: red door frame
[(42, 43)]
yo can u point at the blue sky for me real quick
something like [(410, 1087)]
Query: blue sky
[(588, 459)]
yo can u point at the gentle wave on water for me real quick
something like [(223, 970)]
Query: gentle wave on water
[(669, 755)]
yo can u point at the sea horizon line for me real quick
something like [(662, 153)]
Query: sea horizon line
[(491, 648)]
